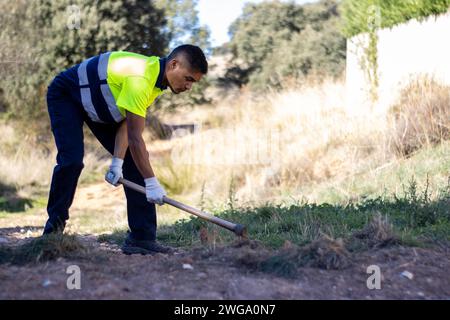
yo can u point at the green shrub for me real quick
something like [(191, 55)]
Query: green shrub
[(356, 13)]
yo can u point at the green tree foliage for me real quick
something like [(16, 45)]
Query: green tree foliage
[(183, 24), (17, 56), (46, 36), (356, 12), (272, 41), (132, 25)]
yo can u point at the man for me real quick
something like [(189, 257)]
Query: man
[(111, 93)]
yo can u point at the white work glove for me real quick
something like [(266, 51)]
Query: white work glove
[(115, 171), (154, 191)]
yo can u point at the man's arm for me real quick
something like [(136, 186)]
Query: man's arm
[(135, 128), (153, 190), (130, 133), (121, 144)]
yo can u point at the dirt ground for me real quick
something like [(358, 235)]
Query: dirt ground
[(218, 273), (207, 272)]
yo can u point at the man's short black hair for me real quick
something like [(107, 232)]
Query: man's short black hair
[(194, 55)]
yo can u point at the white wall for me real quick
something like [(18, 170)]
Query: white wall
[(404, 52)]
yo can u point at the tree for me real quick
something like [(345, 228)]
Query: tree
[(183, 23), (19, 61), (131, 25), (272, 41), (260, 29), (54, 35)]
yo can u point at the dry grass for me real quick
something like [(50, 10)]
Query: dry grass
[(22, 164), (421, 117), (379, 232), (275, 144), (26, 164), (324, 253), (43, 249)]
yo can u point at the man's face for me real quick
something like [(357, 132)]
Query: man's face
[(180, 76)]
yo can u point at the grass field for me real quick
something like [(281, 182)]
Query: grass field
[(411, 198)]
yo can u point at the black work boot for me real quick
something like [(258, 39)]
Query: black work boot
[(133, 246), (56, 227)]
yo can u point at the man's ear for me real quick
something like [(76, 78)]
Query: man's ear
[(173, 64)]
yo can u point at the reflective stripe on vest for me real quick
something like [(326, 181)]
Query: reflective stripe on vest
[(86, 99), (99, 107)]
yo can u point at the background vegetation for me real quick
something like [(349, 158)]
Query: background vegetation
[(356, 13), (275, 41)]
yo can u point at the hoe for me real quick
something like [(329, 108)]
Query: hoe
[(238, 229)]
